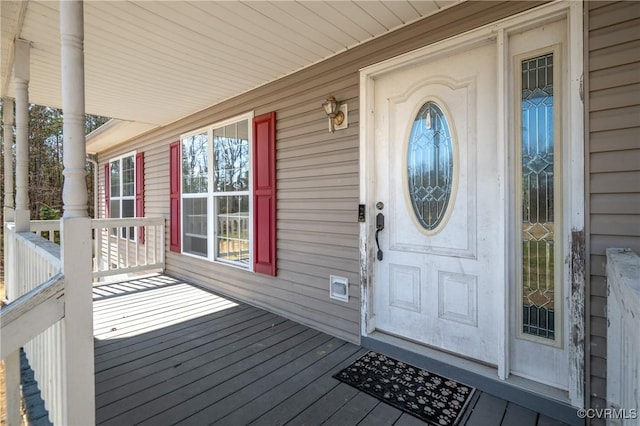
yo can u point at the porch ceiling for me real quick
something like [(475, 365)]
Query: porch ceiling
[(154, 62)]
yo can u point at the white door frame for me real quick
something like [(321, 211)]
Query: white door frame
[(573, 190)]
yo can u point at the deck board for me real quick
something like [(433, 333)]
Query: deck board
[(383, 414), (243, 406), (235, 378), (184, 386), (353, 412), (323, 363), (325, 407), (169, 353), (155, 374), (290, 408), (519, 416), (488, 411), (168, 345)]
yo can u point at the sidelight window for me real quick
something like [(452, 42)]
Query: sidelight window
[(539, 281)]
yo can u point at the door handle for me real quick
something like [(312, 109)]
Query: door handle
[(379, 227)]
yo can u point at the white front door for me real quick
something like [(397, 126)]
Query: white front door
[(437, 182), (467, 182)]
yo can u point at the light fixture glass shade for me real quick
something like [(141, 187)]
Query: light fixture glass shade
[(330, 106)]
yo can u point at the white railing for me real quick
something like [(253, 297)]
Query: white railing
[(121, 246), (32, 319), (47, 229), (623, 335), (36, 295), (128, 245)]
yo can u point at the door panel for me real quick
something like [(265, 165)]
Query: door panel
[(437, 286)]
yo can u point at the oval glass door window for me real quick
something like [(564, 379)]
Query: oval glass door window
[(430, 166)]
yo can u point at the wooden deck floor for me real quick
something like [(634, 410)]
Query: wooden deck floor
[(170, 353)]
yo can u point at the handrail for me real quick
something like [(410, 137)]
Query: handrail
[(40, 298), (51, 227), (127, 221), (128, 245), (31, 314), (33, 317)]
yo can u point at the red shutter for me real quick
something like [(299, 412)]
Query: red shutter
[(107, 189), (140, 192), (174, 193), (264, 194)]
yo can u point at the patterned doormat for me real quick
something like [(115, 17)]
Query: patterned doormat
[(428, 396)]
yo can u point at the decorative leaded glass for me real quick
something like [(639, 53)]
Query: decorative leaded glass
[(538, 270), (430, 165)]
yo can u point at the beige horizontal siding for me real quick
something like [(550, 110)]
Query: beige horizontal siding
[(623, 182), (626, 74), (620, 225), (317, 176), (614, 203), (615, 140), (616, 161), (613, 149)]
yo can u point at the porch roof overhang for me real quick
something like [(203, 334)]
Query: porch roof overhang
[(150, 63)]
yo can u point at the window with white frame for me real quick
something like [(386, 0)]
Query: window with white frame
[(216, 206), (122, 199)]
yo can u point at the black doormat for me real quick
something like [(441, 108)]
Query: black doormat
[(435, 399)]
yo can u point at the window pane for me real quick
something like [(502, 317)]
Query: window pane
[(115, 179), (195, 226), (195, 167), (128, 177), (231, 152), (114, 208), (114, 212), (128, 207), (430, 165), (538, 286), (232, 226)]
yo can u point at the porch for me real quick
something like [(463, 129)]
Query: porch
[(168, 352)]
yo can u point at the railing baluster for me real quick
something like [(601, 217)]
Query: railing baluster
[(109, 249), (39, 260), (150, 235), (122, 257), (127, 244)]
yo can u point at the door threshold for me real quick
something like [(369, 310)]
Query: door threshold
[(545, 399)]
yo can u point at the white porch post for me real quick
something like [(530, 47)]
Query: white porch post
[(21, 213), (7, 137), (21, 74), (78, 368)]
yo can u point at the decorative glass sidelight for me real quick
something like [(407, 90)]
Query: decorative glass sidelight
[(538, 198), (430, 165)]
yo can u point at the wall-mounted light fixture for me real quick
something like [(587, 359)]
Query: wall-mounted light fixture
[(337, 114)]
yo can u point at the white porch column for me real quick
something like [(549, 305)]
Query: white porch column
[(12, 362), (78, 368), (21, 75), (7, 137), (21, 214)]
